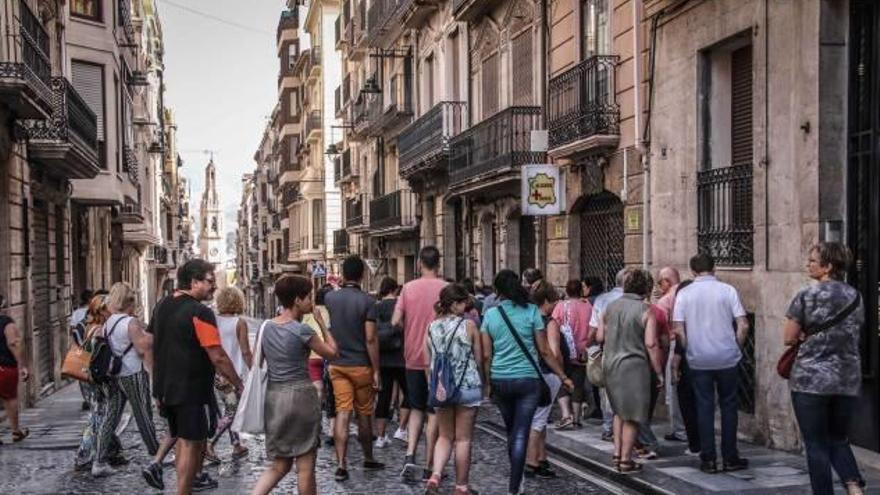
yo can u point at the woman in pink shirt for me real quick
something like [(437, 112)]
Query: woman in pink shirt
[(573, 316)]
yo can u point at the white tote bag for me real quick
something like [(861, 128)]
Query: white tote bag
[(249, 415)]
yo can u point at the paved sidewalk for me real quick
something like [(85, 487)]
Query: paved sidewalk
[(771, 471)]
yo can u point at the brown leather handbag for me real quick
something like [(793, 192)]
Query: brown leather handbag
[(76, 364), (787, 359)]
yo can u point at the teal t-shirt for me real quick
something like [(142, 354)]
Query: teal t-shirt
[(508, 360)]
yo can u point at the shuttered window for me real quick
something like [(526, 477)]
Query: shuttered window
[(741, 106), (522, 65), (88, 80), (317, 223), (489, 82)]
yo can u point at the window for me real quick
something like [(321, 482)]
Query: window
[(595, 36), (455, 90), (317, 223), (88, 80), (292, 53), (294, 103), (724, 183), (88, 9), (522, 74), (489, 85)]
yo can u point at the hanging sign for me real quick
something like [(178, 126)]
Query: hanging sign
[(542, 190), (318, 270), (373, 264)]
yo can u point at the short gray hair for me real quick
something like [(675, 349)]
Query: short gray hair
[(619, 278)]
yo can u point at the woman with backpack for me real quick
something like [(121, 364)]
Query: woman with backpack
[(132, 346), (512, 338), (453, 351), (391, 365), (573, 317)]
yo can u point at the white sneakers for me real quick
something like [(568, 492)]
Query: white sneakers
[(100, 470), (382, 442), (401, 435)]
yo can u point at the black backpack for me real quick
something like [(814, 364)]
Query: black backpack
[(105, 365)]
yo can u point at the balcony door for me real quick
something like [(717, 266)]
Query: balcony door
[(595, 35)]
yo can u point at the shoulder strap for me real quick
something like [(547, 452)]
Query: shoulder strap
[(519, 342), (838, 318), (258, 352)]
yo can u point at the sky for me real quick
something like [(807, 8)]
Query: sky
[(221, 74)]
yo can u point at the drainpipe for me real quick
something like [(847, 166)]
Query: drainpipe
[(545, 60), (766, 160)]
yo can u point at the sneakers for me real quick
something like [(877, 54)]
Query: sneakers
[(340, 475), (203, 482), (539, 471), (607, 436), (153, 476), (169, 460), (382, 442), (372, 464), (100, 470), (412, 473), (690, 452), (645, 454), (737, 464), (672, 437), (401, 434)]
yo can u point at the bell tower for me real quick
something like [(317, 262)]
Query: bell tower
[(211, 228)]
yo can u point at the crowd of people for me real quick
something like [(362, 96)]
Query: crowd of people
[(433, 351)]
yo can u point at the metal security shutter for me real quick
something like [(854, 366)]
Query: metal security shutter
[(40, 275), (88, 80)]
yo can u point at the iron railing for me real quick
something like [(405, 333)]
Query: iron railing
[(340, 241), (313, 121), (72, 120), (378, 18), (130, 164), (25, 55), (337, 169), (360, 24), (124, 14), (499, 143), (346, 90), (399, 101), (289, 196), (581, 102), (724, 214), (315, 56), (396, 209), (354, 212), (427, 139), (366, 114)]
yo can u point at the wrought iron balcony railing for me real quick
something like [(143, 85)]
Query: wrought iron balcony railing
[(380, 18), (582, 103), (25, 68), (354, 212), (313, 122), (70, 138), (724, 214), (496, 145), (289, 196), (425, 142), (398, 102), (340, 241), (393, 210), (124, 18), (130, 164), (366, 114)]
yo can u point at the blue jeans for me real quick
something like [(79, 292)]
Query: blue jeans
[(706, 382), (517, 400), (824, 421)]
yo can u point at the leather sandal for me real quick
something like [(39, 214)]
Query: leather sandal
[(20, 435), (628, 467)]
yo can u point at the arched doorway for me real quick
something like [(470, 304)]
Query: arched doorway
[(601, 236)]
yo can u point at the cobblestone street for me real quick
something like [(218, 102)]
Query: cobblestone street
[(43, 464)]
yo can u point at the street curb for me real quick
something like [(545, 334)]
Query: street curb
[(593, 466)]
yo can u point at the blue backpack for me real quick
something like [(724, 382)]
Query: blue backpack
[(444, 388)]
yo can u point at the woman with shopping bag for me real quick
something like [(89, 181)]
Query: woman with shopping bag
[(290, 410)]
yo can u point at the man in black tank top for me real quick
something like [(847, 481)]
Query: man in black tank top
[(11, 371)]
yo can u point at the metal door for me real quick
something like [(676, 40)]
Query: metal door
[(863, 205), (41, 284), (601, 218), (527, 243)]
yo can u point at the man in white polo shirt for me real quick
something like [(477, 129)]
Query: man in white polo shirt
[(703, 321)]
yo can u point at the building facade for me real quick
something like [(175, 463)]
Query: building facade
[(81, 163)]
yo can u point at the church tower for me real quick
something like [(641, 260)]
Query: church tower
[(211, 232)]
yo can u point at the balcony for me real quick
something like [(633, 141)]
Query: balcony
[(130, 164), (313, 124), (424, 144), (382, 20), (359, 31), (289, 196), (124, 18), (398, 109), (724, 214), (340, 241), (25, 69), (582, 112), (354, 213), (366, 113), (346, 166), (67, 142), (470, 10), (315, 62), (130, 212), (393, 212), (494, 148), (414, 13), (337, 99), (289, 20), (337, 169), (337, 30)]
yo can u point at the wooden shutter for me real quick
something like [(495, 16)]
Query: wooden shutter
[(741, 106), (88, 80), (489, 83), (522, 69)]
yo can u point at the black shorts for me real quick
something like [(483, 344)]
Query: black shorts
[(417, 390), (196, 423)]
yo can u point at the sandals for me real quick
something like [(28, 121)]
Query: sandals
[(628, 467), (615, 460), (20, 435), (211, 459), (241, 454), (565, 423)]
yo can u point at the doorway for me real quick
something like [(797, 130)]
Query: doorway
[(601, 230)]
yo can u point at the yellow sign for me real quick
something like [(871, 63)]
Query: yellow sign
[(541, 191), (633, 220)]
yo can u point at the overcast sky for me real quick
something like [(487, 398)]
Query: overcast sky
[(221, 77)]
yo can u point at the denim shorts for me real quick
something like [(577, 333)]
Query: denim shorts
[(470, 397)]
